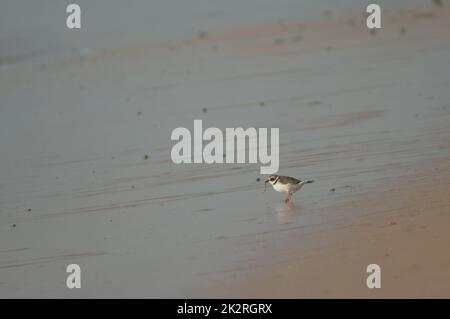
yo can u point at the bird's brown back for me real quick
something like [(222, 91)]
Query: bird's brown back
[(289, 180)]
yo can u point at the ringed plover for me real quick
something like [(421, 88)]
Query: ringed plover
[(286, 184)]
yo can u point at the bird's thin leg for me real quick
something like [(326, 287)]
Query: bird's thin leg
[(288, 197)]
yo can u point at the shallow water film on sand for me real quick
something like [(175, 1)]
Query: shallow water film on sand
[(93, 204)]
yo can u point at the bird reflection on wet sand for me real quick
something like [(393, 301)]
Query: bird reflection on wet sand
[(285, 212)]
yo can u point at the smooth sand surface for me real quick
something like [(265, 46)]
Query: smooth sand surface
[(403, 228), (86, 175)]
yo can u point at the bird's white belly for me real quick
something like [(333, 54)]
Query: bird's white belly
[(286, 187)]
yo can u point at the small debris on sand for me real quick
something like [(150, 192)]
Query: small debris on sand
[(29, 210), (333, 190), (438, 3), (14, 225), (146, 157), (202, 34), (278, 41), (313, 103), (262, 104), (258, 179), (204, 110), (139, 113)]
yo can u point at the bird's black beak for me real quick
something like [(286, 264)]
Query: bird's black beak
[(265, 184)]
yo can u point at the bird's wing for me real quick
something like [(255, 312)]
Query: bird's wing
[(289, 180)]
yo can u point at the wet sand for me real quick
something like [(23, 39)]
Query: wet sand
[(86, 175), (403, 228)]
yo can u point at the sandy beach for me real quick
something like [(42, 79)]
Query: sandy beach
[(402, 228), (86, 175)]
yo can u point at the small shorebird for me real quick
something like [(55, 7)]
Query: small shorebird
[(286, 184)]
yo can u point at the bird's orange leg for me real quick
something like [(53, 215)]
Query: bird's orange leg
[(288, 198)]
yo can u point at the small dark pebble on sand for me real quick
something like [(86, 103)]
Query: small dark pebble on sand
[(146, 157), (14, 225), (204, 110), (202, 34), (29, 209), (258, 179), (438, 3), (313, 103), (327, 14), (333, 190), (279, 41), (262, 104), (393, 223)]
